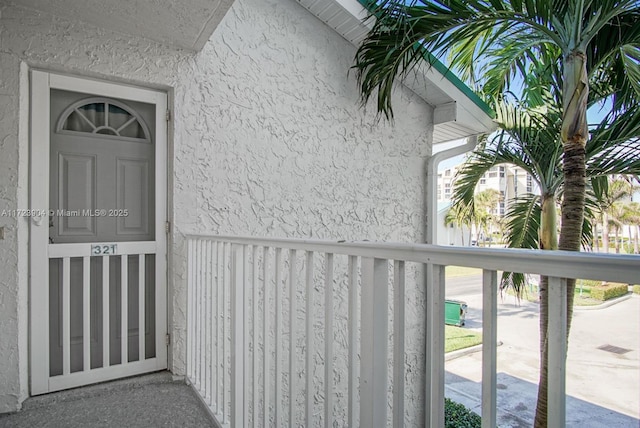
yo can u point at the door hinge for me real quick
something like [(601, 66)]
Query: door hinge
[(167, 226), (167, 339), (168, 115)]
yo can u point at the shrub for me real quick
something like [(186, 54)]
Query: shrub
[(609, 291), (588, 283), (636, 289), (458, 416)]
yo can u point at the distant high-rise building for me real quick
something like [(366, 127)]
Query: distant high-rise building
[(511, 181)]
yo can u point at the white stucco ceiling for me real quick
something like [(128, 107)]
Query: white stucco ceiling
[(186, 24)]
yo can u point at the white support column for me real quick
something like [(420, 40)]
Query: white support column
[(489, 346), (557, 337), (237, 337), (373, 373), (435, 346)]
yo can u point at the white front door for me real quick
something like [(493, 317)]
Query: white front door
[(98, 242)]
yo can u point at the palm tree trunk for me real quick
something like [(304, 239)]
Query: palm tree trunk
[(605, 232), (548, 241), (575, 133)]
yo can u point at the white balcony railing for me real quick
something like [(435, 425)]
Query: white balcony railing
[(286, 332)]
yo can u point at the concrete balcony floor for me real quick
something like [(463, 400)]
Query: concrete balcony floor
[(153, 400)]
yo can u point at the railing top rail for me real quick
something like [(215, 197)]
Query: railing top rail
[(565, 264)]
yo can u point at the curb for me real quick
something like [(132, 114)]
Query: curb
[(605, 304), (463, 352)]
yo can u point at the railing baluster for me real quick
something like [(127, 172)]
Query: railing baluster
[(398, 342), (201, 314), (213, 260), (255, 280), (219, 332), (226, 335), (293, 393), (245, 332), (237, 335), (208, 318), (353, 342), (435, 345), (328, 340), (265, 336), (309, 338), (190, 304), (557, 338), (106, 360), (373, 376), (489, 346), (66, 315), (278, 334), (86, 313)]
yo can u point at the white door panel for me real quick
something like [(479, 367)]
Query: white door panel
[(98, 275)]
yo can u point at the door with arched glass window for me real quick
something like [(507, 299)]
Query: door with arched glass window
[(104, 297)]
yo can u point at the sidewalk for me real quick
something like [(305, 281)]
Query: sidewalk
[(603, 387)]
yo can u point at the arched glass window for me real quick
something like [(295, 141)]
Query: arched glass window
[(105, 117)]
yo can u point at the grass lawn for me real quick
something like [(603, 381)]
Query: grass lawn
[(452, 271), (459, 338)]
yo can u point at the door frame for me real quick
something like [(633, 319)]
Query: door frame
[(41, 84)]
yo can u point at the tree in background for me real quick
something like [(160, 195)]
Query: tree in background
[(592, 49)]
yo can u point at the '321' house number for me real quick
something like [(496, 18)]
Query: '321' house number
[(104, 249)]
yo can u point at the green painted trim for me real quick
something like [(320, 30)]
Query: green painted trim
[(443, 69)]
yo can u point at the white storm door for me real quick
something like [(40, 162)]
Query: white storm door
[(97, 235)]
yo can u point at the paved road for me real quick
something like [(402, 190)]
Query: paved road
[(603, 387)]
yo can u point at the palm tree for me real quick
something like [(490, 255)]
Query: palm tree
[(612, 193), (531, 141), (485, 211), (594, 45), (458, 217), (632, 218)]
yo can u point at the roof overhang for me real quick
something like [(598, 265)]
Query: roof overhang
[(183, 24), (457, 111)]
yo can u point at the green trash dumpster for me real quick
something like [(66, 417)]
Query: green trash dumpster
[(454, 312)]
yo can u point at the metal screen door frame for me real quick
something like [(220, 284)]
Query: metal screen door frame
[(41, 251)]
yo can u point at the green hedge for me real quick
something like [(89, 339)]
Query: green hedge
[(588, 283), (458, 416), (610, 291), (636, 289)]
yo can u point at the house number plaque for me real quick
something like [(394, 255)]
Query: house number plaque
[(104, 249)]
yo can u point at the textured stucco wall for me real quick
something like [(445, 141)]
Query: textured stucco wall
[(268, 139)]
